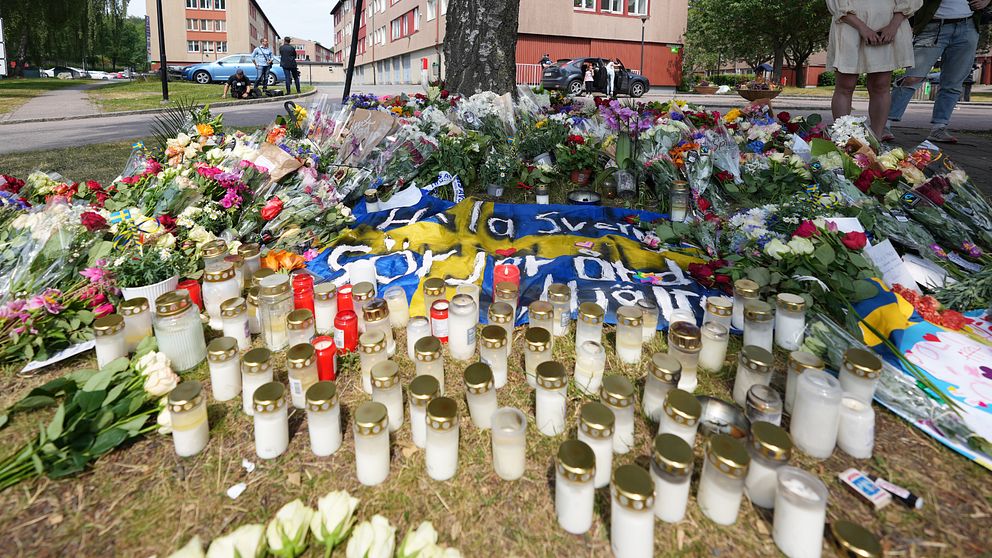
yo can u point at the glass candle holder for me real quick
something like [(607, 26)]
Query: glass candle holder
[(713, 354), (494, 351), (632, 513), (550, 400), (434, 289), (372, 347), (851, 539), (770, 448), (480, 392), (575, 492), (856, 431), (441, 452), (109, 338), (300, 326), (234, 316), (719, 309), (252, 254), (417, 328), (508, 292), (685, 342), (560, 297), (275, 303), (137, 321), (470, 289), (219, 284), (816, 414), (596, 427), (179, 331), (629, 337), (860, 373), (800, 513), (225, 368), (463, 316), (430, 361), (325, 307), (671, 471), (509, 431), (254, 323), (361, 293), (681, 413), (759, 324), (323, 418), (371, 443), (386, 389), (302, 284), (399, 306), (649, 319), (377, 319), (439, 320), (501, 314), (799, 362), (663, 376), (346, 330), (744, 290), (506, 272), (238, 264), (764, 404), (541, 314), (256, 371), (754, 366), (271, 418), (721, 485), (214, 252), (188, 417), (679, 197), (538, 343), (256, 278), (790, 321), (327, 358), (301, 368), (362, 271), (422, 389), (590, 362), (617, 393), (589, 325), (345, 302)]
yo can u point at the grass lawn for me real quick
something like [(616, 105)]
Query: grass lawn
[(16, 92), (138, 95), (101, 162)]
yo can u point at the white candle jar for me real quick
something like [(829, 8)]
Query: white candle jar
[(416, 329), (800, 513), (256, 278), (493, 351), (376, 313), (254, 323), (617, 394), (301, 368), (816, 414), (508, 292), (589, 325), (763, 404), (275, 302), (538, 350), (628, 334), (509, 432), (713, 354), (754, 366), (441, 452), (188, 418), (551, 399), (361, 294), (541, 314), (851, 539), (632, 513), (252, 255), (860, 373), (386, 389), (596, 427), (745, 290), (575, 492), (111, 344), (214, 252), (759, 324), (271, 417), (681, 413), (371, 443), (790, 321), (323, 418), (325, 307), (856, 431), (237, 263), (501, 314), (434, 289), (256, 371), (649, 319), (137, 321), (234, 317), (470, 289), (560, 297), (671, 470), (399, 306), (721, 485), (179, 331), (590, 362), (719, 309), (799, 362), (663, 376), (429, 361), (422, 389), (219, 285), (224, 362), (480, 392), (463, 316), (770, 448), (300, 327), (685, 342), (372, 351)]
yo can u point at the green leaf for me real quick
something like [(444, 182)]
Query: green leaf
[(864, 290), (54, 429), (4, 419), (819, 147), (90, 401), (32, 402), (133, 426), (759, 275), (114, 393), (145, 346), (107, 441), (825, 254)]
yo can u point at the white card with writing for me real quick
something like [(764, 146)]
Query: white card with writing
[(893, 269)]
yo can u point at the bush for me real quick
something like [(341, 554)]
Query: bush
[(729, 79), (829, 79)]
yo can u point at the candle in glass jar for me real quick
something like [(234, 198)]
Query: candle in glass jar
[(302, 282), (770, 448), (361, 293), (649, 319), (327, 358), (685, 342), (422, 389), (575, 492), (816, 413), (371, 443), (346, 331), (681, 413), (234, 317), (377, 319), (856, 431), (300, 327), (256, 278), (137, 321), (663, 376), (480, 392), (325, 307), (275, 304), (386, 390), (501, 314), (345, 302), (225, 368), (590, 361), (790, 321), (589, 325), (754, 366), (439, 320), (219, 284), (470, 289), (719, 309), (506, 273), (759, 324), (109, 339), (632, 513), (713, 354), (192, 289), (463, 316), (507, 292), (179, 331), (213, 252), (538, 342), (617, 393), (679, 197), (509, 432), (301, 367), (188, 418), (799, 362), (629, 337), (434, 289), (721, 485), (373, 351), (671, 470), (254, 323), (800, 512), (596, 427), (399, 306), (252, 255), (323, 418), (429, 360), (441, 451), (541, 314), (271, 419), (493, 351), (416, 329), (744, 290), (851, 539), (256, 370), (560, 297), (763, 403), (860, 373), (551, 399)]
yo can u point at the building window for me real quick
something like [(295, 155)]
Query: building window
[(191, 25), (220, 25), (220, 5), (394, 27), (613, 6), (416, 19), (588, 5), (431, 9), (191, 4), (206, 5), (637, 7), (192, 46), (444, 7), (221, 46)]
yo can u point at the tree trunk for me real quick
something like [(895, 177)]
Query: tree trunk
[(801, 75), (777, 64), (480, 46), (22, 53)]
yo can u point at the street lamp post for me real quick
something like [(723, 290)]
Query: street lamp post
[(644, 20), (163, 63)]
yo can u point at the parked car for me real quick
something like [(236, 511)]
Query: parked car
[(102, 75), (567, 75), (219, 71), (55, 71)]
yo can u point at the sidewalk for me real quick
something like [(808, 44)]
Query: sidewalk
[(66, 103)]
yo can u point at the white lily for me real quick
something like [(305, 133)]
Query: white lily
[(416, 540), (334, 518), (193, 549), (375, 538), (287, 531), (247, 541)]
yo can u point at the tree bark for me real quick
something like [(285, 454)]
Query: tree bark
[(480, 46), (22, 53)]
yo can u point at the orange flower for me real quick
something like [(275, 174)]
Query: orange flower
[(276, 134), (283, 261), (205, 130)]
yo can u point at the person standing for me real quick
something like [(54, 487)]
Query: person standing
[(611, 76), (287, 60), (948, 30), (588, 79), (262, 58), (545, 60), (869, 37)]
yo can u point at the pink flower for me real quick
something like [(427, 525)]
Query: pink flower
[(310, 254), (95, 274), (47, 300), (831, 226), (103, 310)]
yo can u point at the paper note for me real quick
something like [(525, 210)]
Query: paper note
[(926, 274), (60, 356), (893, 269)]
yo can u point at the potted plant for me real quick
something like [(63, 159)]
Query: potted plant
[(705, 88), (499, 170), (578, 156), (148, 271), (537, 141)]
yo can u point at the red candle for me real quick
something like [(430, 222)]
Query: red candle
[(193, 288), (326, 358), (346, 331), (506, 272), (303, 291), (344, 298), (439, 320)]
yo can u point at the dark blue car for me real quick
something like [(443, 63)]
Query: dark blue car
[(220, 70)]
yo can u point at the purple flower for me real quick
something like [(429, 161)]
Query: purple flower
[(231, 199)]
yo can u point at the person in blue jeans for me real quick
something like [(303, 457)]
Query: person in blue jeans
[(945, 30), (262, 58)]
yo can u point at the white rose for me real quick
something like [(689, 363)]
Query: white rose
[(193, 549), (164, 420), (416, 540), (161, 381), (776, 249), (166, 241), (151, 360), (287, 532), (246, 541), (190, 152), (372, 539), (801, 246), (200, 235), (182, 139), (334, 518)]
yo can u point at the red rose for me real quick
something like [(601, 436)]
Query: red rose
[(703, 204), (724, 176), (784, 116), (806, 229), (723, 280), (93, 185), (444, 93), (791, 127), (168, 223), (10, 184), (93, 221), (272, 208), (891, 175), (854, 240)]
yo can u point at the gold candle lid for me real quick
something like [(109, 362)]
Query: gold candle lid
[(714, 330), (219, 273), (133, 307), (325, 291), (617, 391), (493, 337), (672, 455), (537, 338), (543, 310), (728, 455), (666, 368), (252, 297), (862, 363), (633, 488), (322, 396), (376, 310), (233, 307), (108, 325), (478, 378), (591, 313), (630, 316), (214, 248), (758, 311), (682, 407), (801, 361), (680, 185), (423, 388), (551, 375), (559, 293), (597, 420), (720, 306), (507, 289), (771, 441), (790, 302), (385, 374), (269, 398), (172, 303), (576, 461), (300, 356), (757, 359), (854, 541), (500, 313), (371, 418), (434, 286), (746, 288), (647, 307), (442, 413), (222, 349), (257, 361), (249, 250), (685, 336), (236, 261), (273, 285), (300, 319), (427, 349), (185, 396), (262, 273), (362, 291), (375, 341)]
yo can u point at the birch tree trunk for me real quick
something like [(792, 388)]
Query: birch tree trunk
[(480, 46)]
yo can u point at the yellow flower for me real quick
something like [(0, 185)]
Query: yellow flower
[(397, 110), (732, 115), (205, 130), (541, 123)]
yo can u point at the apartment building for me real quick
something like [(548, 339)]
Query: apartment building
[(311, 51), (206, 30), (400, 41)]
